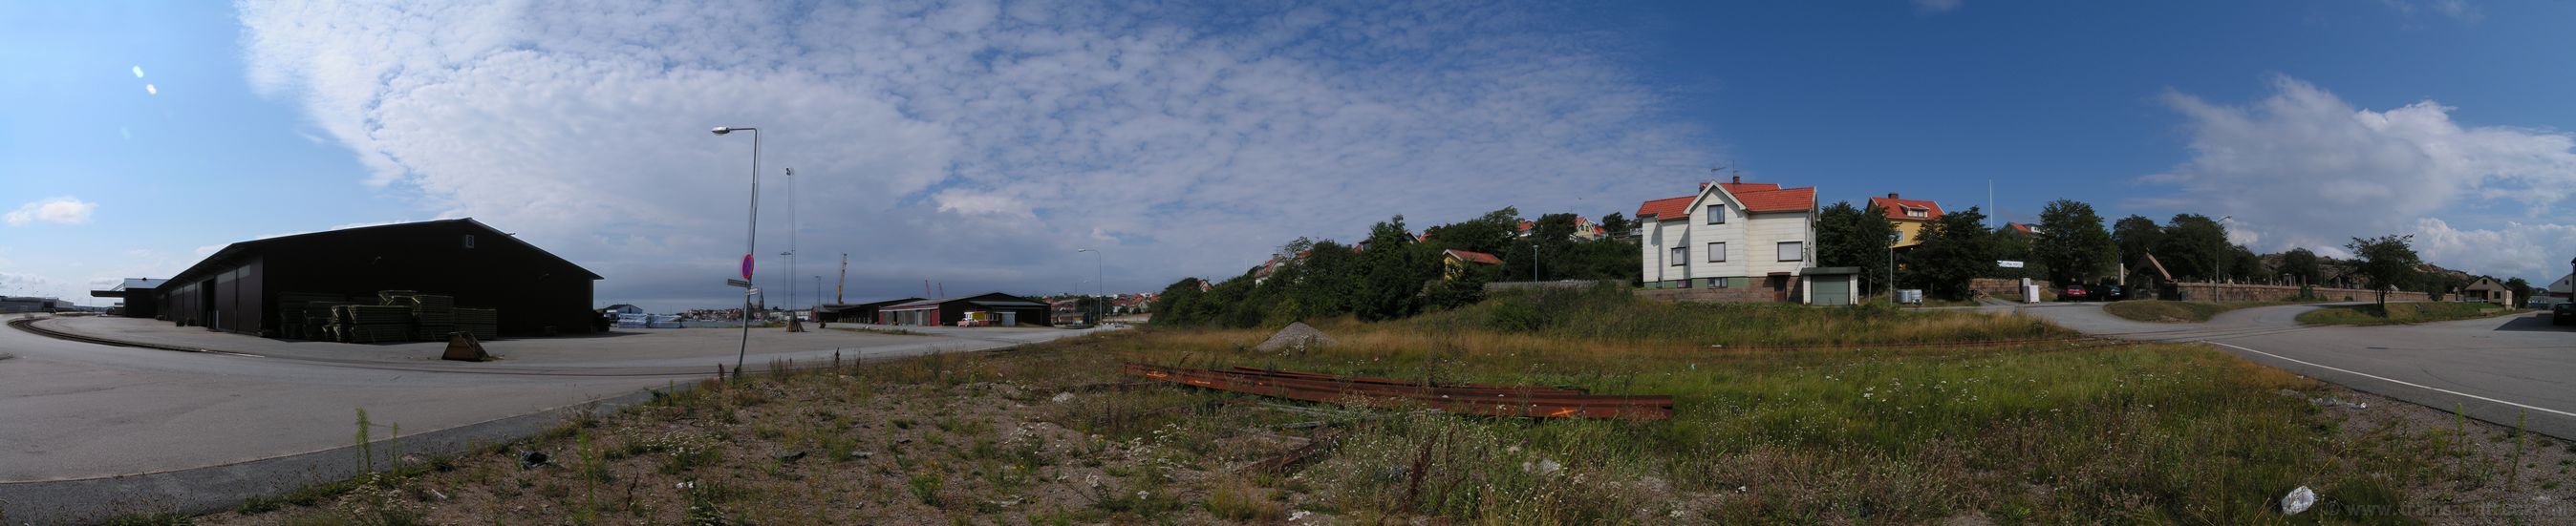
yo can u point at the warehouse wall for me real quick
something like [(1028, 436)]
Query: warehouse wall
[(479, 267)]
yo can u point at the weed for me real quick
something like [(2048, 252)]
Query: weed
[(925, 487)]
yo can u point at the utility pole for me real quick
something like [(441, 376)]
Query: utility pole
[(845, 279), (791, 241)]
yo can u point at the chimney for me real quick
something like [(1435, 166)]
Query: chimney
[(1739, 179), (1891, 195)]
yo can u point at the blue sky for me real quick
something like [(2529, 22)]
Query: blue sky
[(978, 145)]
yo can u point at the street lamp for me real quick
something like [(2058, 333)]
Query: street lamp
[(750, 244), (1096, 287)]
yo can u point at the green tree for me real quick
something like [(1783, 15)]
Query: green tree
[(1616, 224), (2521, 289), (1394, 271), (1549, 246), (2301, 265), (1178, 306), (2193, 245), (1855, 237), (2072, 246), (2137, 237), (1955, 249), (1491, 233), (2386, 261), (2243, 263), (1319, 283)]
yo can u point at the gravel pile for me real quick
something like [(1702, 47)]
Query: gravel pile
[(1297, 336)]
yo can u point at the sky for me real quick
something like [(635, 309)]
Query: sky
[(978, 145)]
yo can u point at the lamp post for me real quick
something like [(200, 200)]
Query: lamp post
[(1097, 266), (750, 244)]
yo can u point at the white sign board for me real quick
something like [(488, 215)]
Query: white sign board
[(2008, 264)]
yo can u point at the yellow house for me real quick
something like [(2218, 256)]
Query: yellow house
[(1454, 262), (1909, 215)]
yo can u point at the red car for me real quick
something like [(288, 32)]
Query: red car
[(2074, 293)]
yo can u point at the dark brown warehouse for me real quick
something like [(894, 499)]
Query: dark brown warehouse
[(237, 288)]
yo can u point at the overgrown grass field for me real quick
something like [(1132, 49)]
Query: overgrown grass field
[(1804, 416), (2402, 313)]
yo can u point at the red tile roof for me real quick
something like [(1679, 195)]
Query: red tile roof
[(1778, 199), (2022, 228), (1667, 208), (1474, 257), (1896, 207), (1757, 197)]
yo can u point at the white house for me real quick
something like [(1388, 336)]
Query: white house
[(1753, 240)]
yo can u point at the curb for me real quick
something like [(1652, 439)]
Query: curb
[(212, 489)]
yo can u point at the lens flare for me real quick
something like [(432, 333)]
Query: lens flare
[(138, 72), (147, 88)]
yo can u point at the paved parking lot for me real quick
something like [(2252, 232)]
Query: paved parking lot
[(79, 410)]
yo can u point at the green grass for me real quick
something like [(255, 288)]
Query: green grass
[(1610, 315), (2402, 313), (1834, 428), (2166, 311)]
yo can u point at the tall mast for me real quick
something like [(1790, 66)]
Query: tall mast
[(791, 239), (845, 278)]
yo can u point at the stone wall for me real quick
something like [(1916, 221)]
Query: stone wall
[(2247, 292), (2006, 288)]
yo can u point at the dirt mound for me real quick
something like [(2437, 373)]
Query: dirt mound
[(1297, 336)]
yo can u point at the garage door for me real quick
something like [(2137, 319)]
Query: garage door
[(1830, 290)]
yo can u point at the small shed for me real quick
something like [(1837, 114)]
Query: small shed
[(1002, 309), (1831, 286)]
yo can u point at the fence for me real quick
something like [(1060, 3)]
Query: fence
[(2249, 292)]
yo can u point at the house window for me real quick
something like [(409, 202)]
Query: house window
[(1717, 214), (1717, 252), (469, 241), (1681, 256), (1917, 212), (1719, 283), (1791, 251)]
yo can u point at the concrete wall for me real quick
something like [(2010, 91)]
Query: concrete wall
[(2245, 292)]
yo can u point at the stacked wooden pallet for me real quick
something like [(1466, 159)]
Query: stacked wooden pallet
[(485, 324), (371, 323), (433, 316)]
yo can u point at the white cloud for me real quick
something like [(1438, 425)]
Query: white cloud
[(2455, 9), (63, 210), (2537, 252), (969, 143), (1930, 7), (2305, 168)]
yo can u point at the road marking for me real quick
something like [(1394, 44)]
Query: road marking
[(2393, 380)]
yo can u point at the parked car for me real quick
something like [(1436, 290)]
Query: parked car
[(2562, 313), (2074, 293), (2110, 292)]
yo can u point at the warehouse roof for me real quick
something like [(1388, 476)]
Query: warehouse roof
[(236, 249), (985, 299)]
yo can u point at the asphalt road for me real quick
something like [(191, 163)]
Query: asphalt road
[(2501, 370), (71, 410)]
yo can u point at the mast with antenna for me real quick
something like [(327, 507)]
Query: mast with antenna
[(845, 278)]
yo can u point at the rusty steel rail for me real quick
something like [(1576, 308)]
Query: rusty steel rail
[(1514, 401), (1391, 381)]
